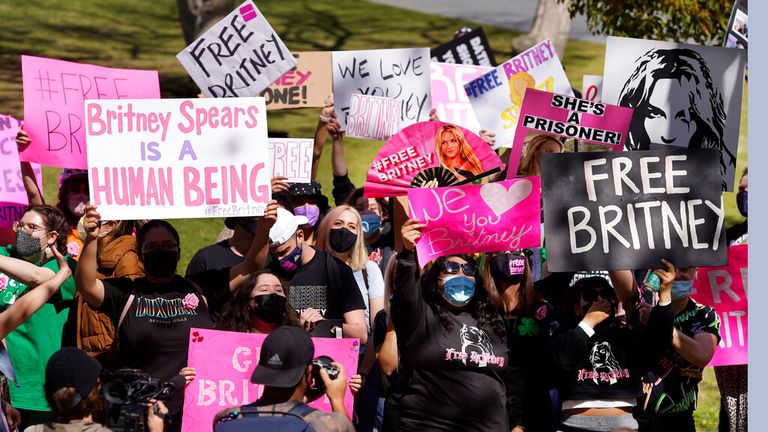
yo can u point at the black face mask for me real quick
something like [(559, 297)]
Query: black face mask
[(161, 263), (270, 308), (511, 272), (342, 239), (26, 245)]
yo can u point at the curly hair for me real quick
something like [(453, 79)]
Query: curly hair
[(54, 220), (480, 307), (236, 315)]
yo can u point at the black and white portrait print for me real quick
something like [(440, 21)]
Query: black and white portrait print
[(684, 96)]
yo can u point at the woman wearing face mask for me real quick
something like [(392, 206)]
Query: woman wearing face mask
[(601, 360), (260, 305), (453, 341), (27, 264), (377, 227), (509, 286)]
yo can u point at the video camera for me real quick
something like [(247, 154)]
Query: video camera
[(130, 390)]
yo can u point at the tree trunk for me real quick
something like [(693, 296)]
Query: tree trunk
[(196, 16), (553, 21)]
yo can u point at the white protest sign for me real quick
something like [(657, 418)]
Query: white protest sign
[(497, 96), (178, 158), (401, 74), (373, 117), (239, 56), (292, 158), (448, 96), (592, 88)]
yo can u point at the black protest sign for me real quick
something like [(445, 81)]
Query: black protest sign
[(471, 48), (628, 210)]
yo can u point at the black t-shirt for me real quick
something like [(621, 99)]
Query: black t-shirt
[(214, 257), (154, 335), (311, 287)]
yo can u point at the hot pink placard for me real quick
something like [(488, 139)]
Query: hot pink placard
[(224, 362), (13, 196), (477, 218), (725, 289), (569, 117), (54, 95)]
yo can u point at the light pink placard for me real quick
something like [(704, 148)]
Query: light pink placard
[(291, 158), (373, 117), (569, 117), (725, 289), (448, 96), (477, 218), (54, 95), (224, 362), (13, 196)]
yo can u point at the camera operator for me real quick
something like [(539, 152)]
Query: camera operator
[(73, 390), (285, 369)]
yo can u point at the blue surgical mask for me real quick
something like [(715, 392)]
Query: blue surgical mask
[(371, 224), (458, 290), (681, 289)]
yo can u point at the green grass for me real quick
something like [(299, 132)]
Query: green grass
[(146, 35)]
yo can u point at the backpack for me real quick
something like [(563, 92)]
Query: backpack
[(250, 419)]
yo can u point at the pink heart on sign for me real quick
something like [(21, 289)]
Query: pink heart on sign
[(501, 199)]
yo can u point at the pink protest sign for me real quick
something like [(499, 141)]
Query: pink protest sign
[(725, 289), (569, 117), (429, 153), (54, 102), (448, 96), (224, 362), (477, 218), (373, 117), (13, 196)]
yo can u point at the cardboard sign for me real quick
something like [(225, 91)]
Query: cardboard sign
[(373, 117), (592, 88), (477, 218), (628, 210), (178, 158), (402, 74), (685, 96), (497, 96), (470, 49), (725, 289), (54, 95), (737, 35), (292, 158), (571, 118), (448, 96), (13, 196), (308, 84), (224, 362), (241, 55)]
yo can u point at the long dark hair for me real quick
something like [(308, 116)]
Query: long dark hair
[(237, 317), (54, 221), (480, 307), (528, 299)]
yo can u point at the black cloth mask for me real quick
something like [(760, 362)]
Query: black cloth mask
[(270, 308), (161, 263), (342, 239)]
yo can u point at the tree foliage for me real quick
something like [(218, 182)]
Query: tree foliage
[(703, 21)]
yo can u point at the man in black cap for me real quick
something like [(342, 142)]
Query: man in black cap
[(307, 200), (285, 370), (228, 252)]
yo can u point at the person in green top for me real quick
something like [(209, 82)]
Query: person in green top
[(27, 264)]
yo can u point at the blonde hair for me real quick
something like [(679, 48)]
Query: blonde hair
[(358, 256), (465, 150), (531, 163), (514, 96)]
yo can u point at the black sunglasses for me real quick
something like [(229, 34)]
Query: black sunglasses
[(590, 294), (452, 267)]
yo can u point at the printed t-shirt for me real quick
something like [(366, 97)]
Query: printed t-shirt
[(36, 339)]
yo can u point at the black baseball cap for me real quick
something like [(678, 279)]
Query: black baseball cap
[(72, 367), (285, 355)]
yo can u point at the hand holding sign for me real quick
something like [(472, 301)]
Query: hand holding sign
[(411, 232)]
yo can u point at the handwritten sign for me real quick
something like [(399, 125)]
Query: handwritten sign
[(306, 85), (448, 96), (497, 96), (725, 289), (224, 362), (592, 88), (477, 218), (373, 117), (627, 210), (401, 74), (54, 95), (569, 117), (13, 196), (292, 158), (178, 158), (469, 49), (241, 55)]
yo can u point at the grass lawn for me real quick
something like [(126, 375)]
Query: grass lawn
[(145, 35)]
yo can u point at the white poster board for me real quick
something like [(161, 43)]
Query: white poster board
[(373, 117), (592, 88), (448, 96), (291, 158)]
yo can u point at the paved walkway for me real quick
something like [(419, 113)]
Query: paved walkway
[(511, 14)]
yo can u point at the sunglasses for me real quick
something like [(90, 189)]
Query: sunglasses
[(452, 267), (589, 295)]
